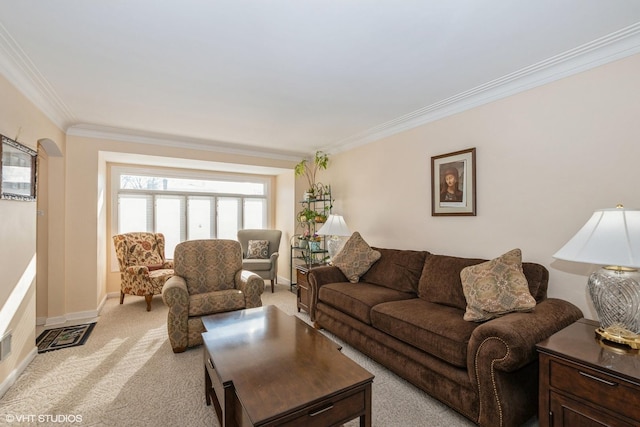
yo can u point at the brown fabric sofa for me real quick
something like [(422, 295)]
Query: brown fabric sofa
[(406, 313)]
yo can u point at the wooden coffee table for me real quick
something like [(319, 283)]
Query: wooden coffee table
[(266, 368)]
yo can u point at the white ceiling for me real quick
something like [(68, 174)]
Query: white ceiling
[(288, 77)]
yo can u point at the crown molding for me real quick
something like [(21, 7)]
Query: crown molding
[(612, 47), (142, 137), (17, 67)]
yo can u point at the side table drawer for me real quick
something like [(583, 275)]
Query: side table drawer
[(303, 288), (301, 277), (568, 412), (596, 387), (330, 412)]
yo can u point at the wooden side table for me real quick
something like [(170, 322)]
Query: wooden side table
[(303, 291), (585, 382)]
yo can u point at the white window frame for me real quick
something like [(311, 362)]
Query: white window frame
[(116, 171)]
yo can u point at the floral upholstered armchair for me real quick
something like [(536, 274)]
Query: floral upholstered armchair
[(208, 279), (143, 267)]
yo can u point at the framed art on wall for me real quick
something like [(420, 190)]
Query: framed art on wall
[(453, 183), (17, 171)]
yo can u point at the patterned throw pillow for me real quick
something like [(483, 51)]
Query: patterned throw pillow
[(496, 287), (355, 258), (258, 249)]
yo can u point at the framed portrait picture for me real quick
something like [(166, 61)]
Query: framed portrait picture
[(453, 183), (17, 170)]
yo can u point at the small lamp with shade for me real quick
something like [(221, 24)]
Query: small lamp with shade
[(336, 229), (611, 238)]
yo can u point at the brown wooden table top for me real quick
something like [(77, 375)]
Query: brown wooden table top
[(276, 362), (578, 343)]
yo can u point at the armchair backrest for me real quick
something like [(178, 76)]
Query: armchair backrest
[(208, 265), (139, 248), (273, 236)]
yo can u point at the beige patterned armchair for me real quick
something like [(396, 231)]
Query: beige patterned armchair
[(143, 267), (208, 279)]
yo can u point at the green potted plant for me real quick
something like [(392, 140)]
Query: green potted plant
[(309, 169), (306, 215)]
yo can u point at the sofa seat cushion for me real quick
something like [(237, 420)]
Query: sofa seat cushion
[(216, 302), (255, 264), (357, 299), (397, 269), (433, 328)]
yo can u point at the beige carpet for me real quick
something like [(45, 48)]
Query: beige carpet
[(127, 375)]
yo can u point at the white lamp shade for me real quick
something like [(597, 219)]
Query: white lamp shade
[(610, 237), (334, 226)]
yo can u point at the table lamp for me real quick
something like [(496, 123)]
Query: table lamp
[(611, 238), (336, 229)]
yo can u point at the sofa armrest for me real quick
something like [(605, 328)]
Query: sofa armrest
[(508, 343), (318, 277), (251, 286), (176, 296)]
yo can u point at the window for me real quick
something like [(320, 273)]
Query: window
[(187, 205)]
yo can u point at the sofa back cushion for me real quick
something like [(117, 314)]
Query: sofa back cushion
[(397, 269), (538, 279), (440, 282)]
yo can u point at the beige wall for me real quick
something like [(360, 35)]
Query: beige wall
[(285, 211), (546, 159), (88, 202), (19, 228)]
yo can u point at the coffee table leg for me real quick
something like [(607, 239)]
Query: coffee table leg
[(365, 420), (207, 386)]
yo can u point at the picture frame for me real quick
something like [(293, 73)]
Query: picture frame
[(18, 167), (449, 198)]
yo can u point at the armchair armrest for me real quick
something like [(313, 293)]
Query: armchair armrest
[(318, 277), (508, 343), (251, 286), (176, 297), (136, 270)]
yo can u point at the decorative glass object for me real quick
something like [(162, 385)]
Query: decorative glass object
[(615, 294)]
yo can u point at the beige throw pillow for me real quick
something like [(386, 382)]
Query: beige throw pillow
[(355, 258), (258, 249), (496, 287)]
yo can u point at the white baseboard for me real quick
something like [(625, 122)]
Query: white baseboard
[(13, 376), (283, 281), (76, 318)]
